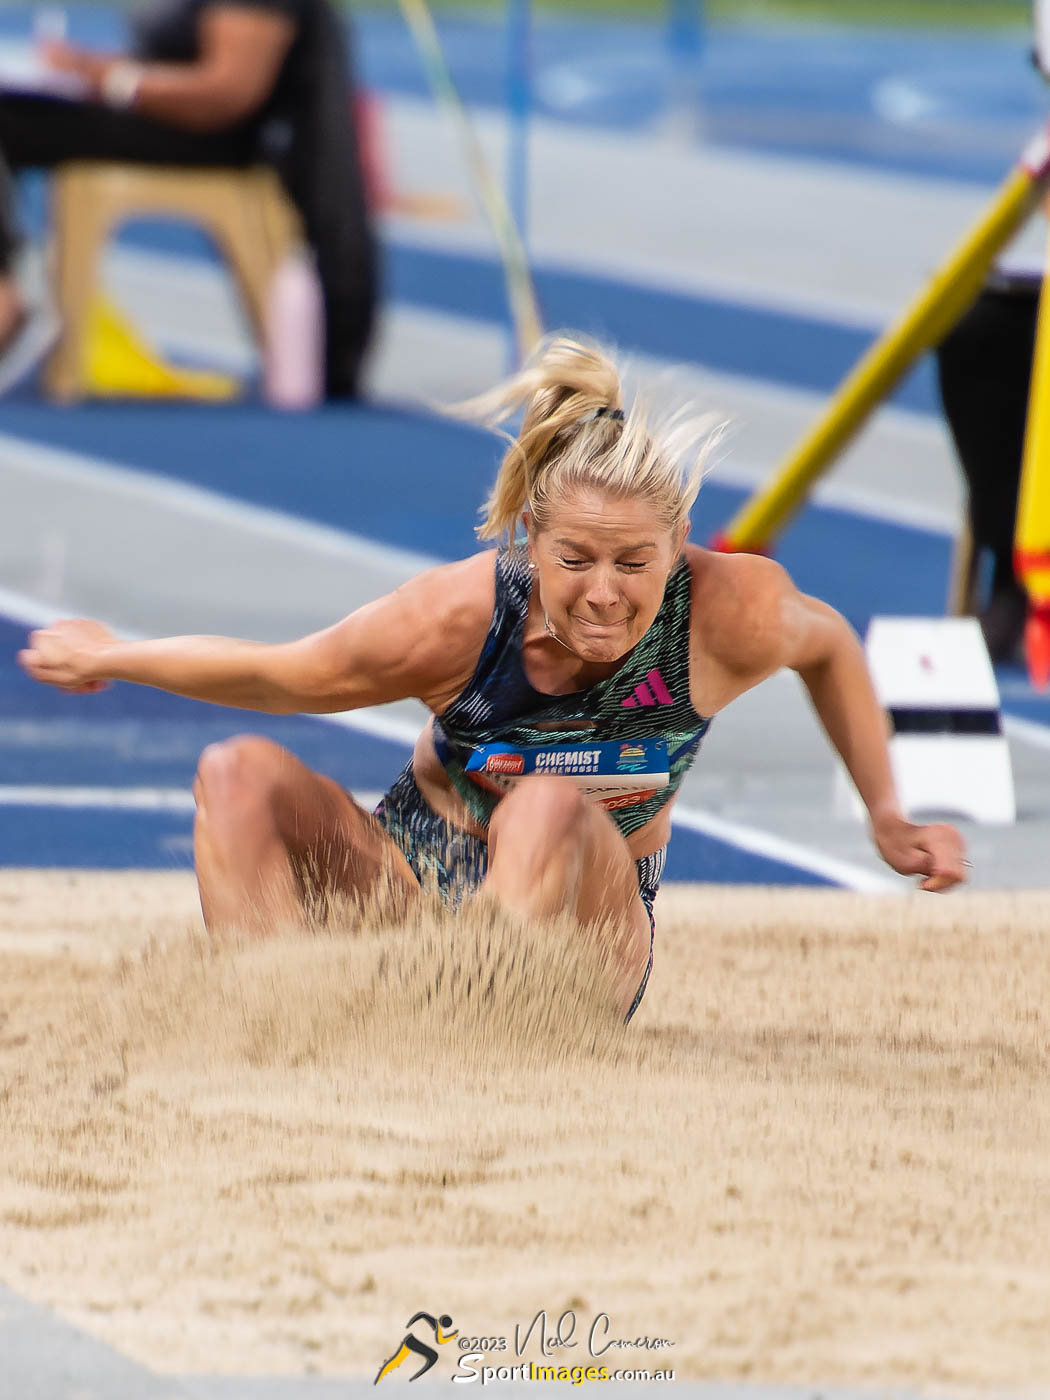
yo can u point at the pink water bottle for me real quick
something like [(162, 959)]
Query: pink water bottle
[(293, 374)]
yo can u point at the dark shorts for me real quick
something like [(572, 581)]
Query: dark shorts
[(454, 863)]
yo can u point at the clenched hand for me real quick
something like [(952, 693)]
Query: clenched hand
[(938, 853), (68, 655)]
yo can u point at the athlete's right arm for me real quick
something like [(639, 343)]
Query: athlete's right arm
[(420, 641)]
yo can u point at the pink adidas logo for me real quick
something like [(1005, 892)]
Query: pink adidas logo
[(655, 693)]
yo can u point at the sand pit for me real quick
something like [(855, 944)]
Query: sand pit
[(822, 1150)]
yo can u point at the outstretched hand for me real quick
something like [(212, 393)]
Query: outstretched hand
[(938, 853), (67, 655)]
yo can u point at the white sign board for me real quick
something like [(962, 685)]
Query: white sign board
[(1041, 22), (935, 681)]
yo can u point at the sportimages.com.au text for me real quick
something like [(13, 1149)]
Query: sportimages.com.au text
[(477, 1350), (468, 1372)]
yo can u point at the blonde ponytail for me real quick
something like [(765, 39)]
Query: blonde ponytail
[(575, 435)]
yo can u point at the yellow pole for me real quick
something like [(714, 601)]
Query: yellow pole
[(933, 312), (1032, 537), (521, 293)]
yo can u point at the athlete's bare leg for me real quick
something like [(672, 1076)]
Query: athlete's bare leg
[(271, 836), (551, 851)]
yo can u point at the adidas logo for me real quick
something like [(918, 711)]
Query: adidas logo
[(653, 693)]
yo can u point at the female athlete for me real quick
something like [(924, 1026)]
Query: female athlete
[(570, 679)]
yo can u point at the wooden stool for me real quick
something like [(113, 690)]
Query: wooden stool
[(246, 211)]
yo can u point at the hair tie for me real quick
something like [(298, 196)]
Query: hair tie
[(610, 413)]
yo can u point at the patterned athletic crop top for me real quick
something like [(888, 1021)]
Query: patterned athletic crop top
[(628, 740)]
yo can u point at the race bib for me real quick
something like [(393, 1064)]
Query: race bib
[(613, 773)]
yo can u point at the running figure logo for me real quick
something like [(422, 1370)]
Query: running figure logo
[(413, 1344)]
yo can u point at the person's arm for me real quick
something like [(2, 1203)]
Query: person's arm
[(749, 621), (821, 646), (241, 50), (420, 641)]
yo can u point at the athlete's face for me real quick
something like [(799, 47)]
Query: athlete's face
[(602, 564)]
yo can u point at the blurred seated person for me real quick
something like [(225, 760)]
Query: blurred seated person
[(984, 366), (218, 83)]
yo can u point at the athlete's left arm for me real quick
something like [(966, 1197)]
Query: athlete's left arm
[(821, 646)]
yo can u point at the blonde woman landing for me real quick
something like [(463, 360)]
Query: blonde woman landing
[(571, 679)]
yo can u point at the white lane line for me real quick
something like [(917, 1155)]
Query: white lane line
[(377, 725), (763, 843), (129, 799), (72, 468), (144, 799), (132, 799), (31, 611)]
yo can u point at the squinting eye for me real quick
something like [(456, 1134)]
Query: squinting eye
[(573, 562), (632, 566)]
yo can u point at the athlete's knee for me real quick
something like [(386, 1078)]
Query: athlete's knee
[(241, 774), (544, 807)]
